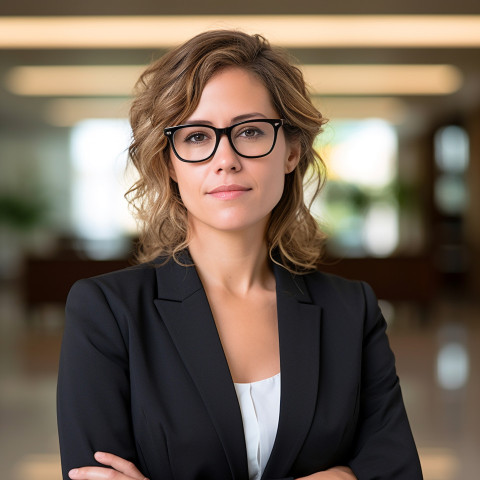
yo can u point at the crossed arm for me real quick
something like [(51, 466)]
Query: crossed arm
[(124, 470)]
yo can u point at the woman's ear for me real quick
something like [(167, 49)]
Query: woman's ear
[(171, 171), (293, 156)]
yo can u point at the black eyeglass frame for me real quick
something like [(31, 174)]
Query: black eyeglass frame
[(276, 124)]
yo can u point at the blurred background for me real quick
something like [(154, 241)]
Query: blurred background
[(400, 83)]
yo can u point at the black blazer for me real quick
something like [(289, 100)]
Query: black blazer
[(143, 375)]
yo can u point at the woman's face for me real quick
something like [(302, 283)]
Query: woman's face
[(229, 192)]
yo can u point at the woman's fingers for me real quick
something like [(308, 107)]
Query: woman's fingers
[(96, 473), (122, 469), (119, 464)]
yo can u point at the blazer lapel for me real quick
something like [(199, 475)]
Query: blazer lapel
[(183, 307), (299, 336)]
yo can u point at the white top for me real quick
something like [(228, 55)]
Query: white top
[(260, 407)]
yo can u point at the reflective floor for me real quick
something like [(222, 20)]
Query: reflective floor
[(438, 360)]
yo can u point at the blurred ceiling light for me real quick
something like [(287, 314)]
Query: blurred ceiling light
[(118, 80), (67, 112), (353, 31), (75, 80), (391, 109), (383, 79)]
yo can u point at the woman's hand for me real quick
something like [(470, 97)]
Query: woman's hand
[(122, 469), (336, 473)]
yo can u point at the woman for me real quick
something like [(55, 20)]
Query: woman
[(226, 353)]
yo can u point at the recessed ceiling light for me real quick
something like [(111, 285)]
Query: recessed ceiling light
[(327, 31), (391, 109), (73, 80), (66, 112), (383, 79)]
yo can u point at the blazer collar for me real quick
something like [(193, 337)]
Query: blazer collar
[(183, 306), (177, 282)]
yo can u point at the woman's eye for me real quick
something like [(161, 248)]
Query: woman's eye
[(196, 137), (250, 132)]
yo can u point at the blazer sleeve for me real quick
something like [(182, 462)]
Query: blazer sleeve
[(93, 393), (384, 448)]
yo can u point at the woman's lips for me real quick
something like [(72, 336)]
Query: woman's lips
[(228, 192)]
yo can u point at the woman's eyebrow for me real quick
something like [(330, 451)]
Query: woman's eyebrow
[(238, 118), (195, 121), (247, 116)]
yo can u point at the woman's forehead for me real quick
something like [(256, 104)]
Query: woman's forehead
[(236, 94)]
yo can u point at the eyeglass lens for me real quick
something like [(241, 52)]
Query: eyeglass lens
[(252, 139)]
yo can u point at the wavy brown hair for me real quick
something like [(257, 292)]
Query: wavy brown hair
[(169, 91)]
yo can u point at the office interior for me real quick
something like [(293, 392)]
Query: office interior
[(400, 84)]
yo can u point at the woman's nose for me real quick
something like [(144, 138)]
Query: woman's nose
[(225, 158)]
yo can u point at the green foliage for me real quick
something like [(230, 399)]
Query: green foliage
[(21, 213)]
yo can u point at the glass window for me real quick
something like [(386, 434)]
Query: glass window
[(451, 153), (99, 211), (358, 206), (452, 149)]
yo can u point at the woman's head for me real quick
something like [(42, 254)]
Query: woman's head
[(169, 92)]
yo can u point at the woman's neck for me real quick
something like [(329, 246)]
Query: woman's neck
[(235, 262)]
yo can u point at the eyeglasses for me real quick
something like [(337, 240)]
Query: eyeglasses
[(250, 139)]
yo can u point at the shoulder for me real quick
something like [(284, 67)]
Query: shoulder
[(320, 282), (120, 297), (132, 286), (340, 294)]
